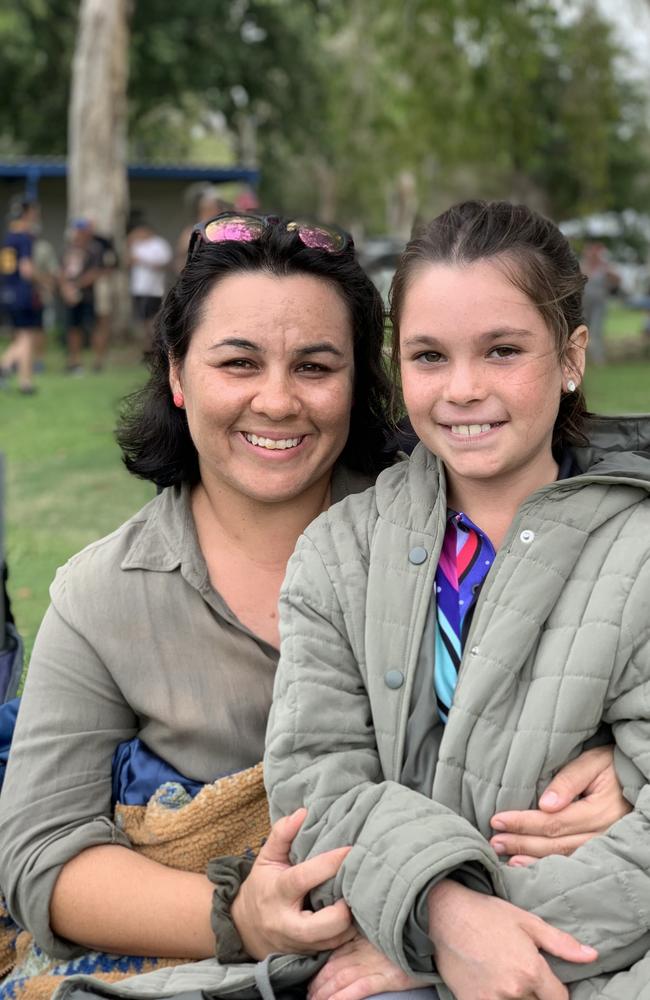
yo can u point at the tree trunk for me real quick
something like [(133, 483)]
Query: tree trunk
[(97, 129)]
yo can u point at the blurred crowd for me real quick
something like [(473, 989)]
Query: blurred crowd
[(76, 292)]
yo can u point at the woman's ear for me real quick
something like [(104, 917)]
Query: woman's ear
[(174, 379), (573, 365)]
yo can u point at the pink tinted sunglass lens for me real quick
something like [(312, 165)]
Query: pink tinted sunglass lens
[(320, 239), (240, 230)]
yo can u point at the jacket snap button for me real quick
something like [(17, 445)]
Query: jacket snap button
[(418, 555), (394, 679), (527, 536)]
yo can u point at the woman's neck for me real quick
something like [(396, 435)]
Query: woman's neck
[(264, 533), (493, 503)]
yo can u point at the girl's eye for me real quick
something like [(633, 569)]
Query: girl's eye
[(430, 357), (504, 351)]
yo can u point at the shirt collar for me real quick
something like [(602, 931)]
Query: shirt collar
[(168, 536)]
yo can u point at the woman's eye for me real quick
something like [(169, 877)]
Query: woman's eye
[(239, 363), (504, 351), (312, 368)]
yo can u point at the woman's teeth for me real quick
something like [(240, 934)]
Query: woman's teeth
[(271, 443), (467, 430)]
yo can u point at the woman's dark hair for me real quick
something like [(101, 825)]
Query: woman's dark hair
[(532, 253), (153, 433)]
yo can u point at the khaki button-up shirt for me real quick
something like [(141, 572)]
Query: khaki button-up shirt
[(136, 642)]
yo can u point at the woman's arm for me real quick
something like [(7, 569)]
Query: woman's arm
[(68, 872), (109, 898)]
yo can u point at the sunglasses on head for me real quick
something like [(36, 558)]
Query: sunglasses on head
[(233, 226)]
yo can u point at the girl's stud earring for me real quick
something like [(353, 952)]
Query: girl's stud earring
[(178, 400), (571, 386)]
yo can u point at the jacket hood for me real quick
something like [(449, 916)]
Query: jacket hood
[(619, 447)]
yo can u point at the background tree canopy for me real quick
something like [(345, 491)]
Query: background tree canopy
[(363, 110)]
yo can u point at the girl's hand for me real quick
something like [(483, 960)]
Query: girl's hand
[(268, 909), (583, 800), (357, 970), (486, 947)]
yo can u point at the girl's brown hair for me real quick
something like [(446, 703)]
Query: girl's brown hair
[(532, 253)]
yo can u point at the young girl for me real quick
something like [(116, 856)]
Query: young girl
[(454, 635)]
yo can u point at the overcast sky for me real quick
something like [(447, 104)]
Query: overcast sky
[(632, 20)]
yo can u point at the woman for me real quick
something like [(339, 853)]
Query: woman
[(265, 404), (520, 555)]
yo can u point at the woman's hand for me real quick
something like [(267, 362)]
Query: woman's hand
[(583, 800), (268, 909), (486, 947), (357, 970)]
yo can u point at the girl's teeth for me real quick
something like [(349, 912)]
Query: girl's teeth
[(467, 430), (273, 445)]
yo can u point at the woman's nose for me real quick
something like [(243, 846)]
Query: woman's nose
[(275, 397)]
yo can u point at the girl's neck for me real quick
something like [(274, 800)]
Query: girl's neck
[(263, 533), (493, 503)]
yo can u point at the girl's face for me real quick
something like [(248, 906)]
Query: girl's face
[(481, 374)]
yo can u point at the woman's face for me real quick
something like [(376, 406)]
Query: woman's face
[(267, 383), (481, 374)]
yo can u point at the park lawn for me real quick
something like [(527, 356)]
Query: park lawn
[(66, 485)]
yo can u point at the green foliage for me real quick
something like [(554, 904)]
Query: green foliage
[(354, 106)]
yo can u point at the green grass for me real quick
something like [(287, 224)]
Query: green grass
[(66, 485)]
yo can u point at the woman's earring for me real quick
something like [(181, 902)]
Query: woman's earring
[(179, 400), (571, 386)]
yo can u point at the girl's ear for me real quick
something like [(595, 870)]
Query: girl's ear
[(573, 364)]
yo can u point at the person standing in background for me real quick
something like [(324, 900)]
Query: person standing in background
[(88, 260), (208, 205), (19, 294), (601, 279), (149, 258)]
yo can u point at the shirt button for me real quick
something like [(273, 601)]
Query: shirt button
[(394, 679), (527, 536), (418, 555), (474, 650)]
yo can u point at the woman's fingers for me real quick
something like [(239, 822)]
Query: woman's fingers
[(575, 778), (324, 930), (277, 847), (537, 847), (301, 879)]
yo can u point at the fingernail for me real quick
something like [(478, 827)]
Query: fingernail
[(497, 824), (498, 846), (586, 950), (549, 799)]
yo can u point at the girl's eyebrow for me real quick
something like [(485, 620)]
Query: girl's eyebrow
[(427, 340)]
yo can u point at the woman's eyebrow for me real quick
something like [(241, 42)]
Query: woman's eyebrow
[(244, 345), (324, 347)]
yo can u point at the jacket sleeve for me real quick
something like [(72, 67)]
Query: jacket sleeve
[(601, 893), (56, 798), (322, 754)]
